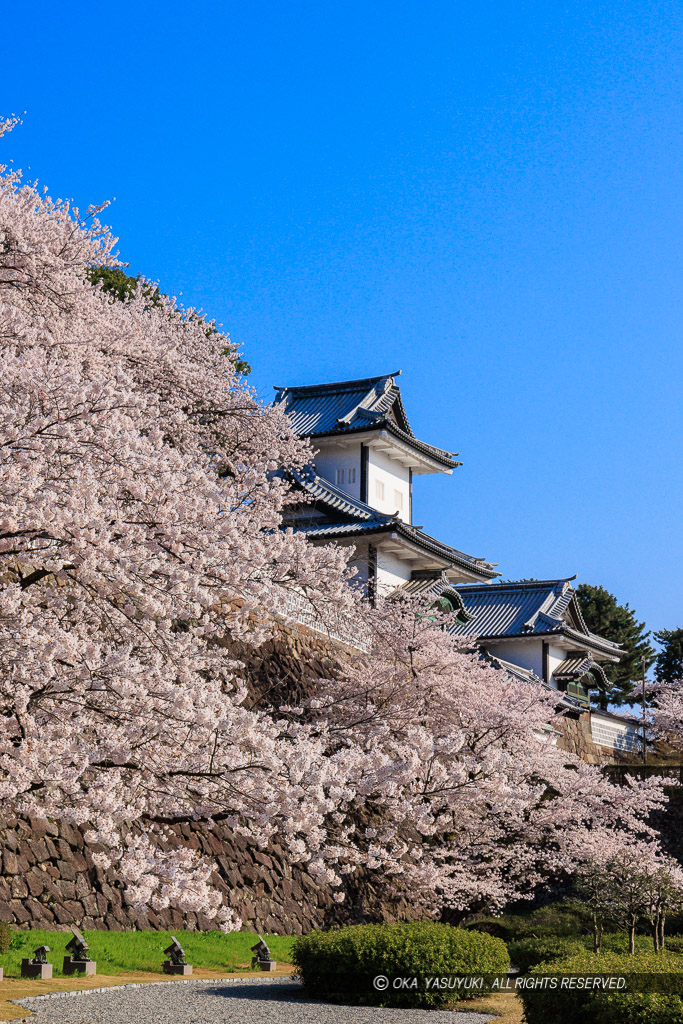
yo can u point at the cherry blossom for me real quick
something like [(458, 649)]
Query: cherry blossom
[(141, 556)]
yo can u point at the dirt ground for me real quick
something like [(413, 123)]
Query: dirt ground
[(505, 1005)]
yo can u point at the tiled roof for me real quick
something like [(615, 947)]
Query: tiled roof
[(355, 406), (349, 517), (534, 608), (523, 674), (565, 701), (435, 583), (576, 665)]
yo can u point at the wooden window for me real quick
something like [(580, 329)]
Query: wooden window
[(340, 476), (379, 490), (398, 500)]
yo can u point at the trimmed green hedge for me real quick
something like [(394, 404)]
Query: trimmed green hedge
[(564, 919), (529, 953), (576, 1006), (339, 966)]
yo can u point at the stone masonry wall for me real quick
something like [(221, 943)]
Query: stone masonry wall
[(49, 880), (48, 877), (577, 739)]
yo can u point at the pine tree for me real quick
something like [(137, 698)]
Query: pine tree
[(123, 287), (669, 665), (616, 622)]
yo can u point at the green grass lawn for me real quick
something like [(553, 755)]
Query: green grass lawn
[(121, 952)]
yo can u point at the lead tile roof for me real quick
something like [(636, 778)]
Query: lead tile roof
[(347, 516), (355, 406), (533, 608)]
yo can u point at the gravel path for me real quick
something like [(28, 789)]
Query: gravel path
[(222, 1002)]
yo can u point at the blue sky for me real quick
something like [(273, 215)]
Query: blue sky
[(487, 196)]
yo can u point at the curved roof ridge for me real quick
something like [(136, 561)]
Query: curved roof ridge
[(518, 584), (340, 385), (356, 406), (474, 559)]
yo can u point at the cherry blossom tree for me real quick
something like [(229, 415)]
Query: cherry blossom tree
[(139, 532), (470, 800), (626, 881), (141, 551), (666, 701)]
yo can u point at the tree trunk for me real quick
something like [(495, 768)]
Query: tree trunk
[(597, 933), (655, 933), (660, 923), (632, 934)]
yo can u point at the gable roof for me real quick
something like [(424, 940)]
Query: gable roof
[(527, 609), (345, 516), (434, 583), (355, 406), (578, 664)]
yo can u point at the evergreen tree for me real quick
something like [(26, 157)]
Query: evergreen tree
[(669, 666), (123, 287), (616, 622)]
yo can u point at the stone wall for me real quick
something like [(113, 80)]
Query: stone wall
[(49, 879), (577, 739), (669, 819)]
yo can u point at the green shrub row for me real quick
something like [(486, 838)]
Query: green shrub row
[(528, 953), (525, 954), (341, 965), (577, 1006), (562, 919)]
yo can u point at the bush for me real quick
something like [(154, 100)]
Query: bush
[(528, 953), (576, 1006), (5, 937), (339, 966), (564, 919)]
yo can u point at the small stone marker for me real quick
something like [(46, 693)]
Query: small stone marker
[(78, 960), (176, 963), (262, 958), (36, 966)]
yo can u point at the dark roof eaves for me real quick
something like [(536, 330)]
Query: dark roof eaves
[(437, 454), (418, 538), (604, 646), (424, 540)]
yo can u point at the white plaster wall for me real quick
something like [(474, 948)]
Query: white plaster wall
[(332, 457), (358, 561), (395, 477), (392, 572), (525, 653), (555, 657), (610, 732)]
